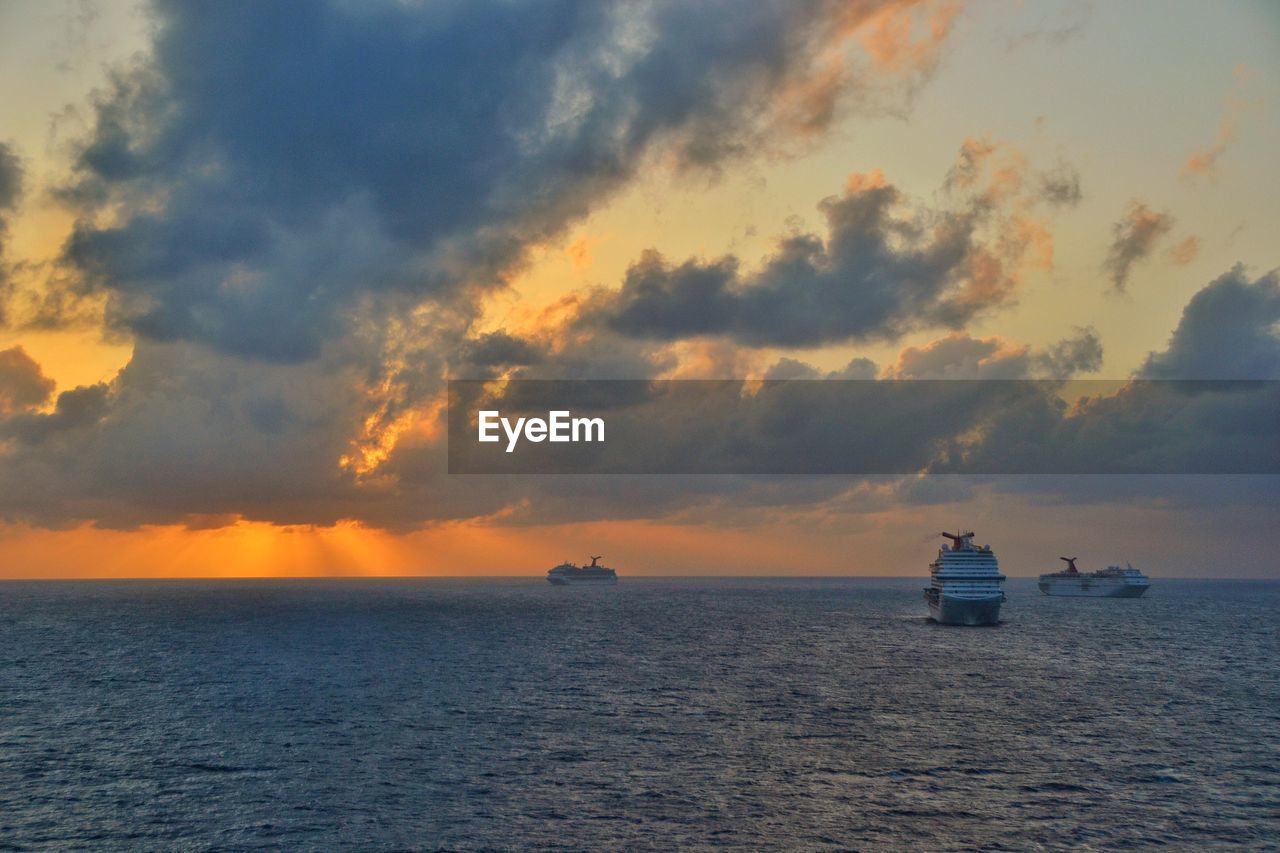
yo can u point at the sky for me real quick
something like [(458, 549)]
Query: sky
[(243, 247)]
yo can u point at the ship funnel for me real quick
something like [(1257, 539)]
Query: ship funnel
[(957, 539)]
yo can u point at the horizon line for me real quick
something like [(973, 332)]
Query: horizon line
[(344, 577)]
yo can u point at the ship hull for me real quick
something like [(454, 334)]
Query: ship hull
[(1077, 589), (582, 581), (953, 610)]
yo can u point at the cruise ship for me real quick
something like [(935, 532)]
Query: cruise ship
[(966, 583), (1111, 582), (571, 574)]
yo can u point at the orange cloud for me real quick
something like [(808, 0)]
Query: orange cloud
[(1000, 165), (579, 252), (956, 354), (711, 359), (993, 175), (901, 37), (1034, 241), (807, 104), (862, 181), (906, 36), (1186, 251), (1205, 161), (1134, 238)]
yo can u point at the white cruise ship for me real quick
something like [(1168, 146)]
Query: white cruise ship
[(571, 574), (966, 583), (1111, 582)]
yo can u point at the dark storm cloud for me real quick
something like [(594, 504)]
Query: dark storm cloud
[(875, 274), (181, 432), (79, 407), (1134, 237), (1229, 330), (278, 161)]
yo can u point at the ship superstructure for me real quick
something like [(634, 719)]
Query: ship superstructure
[(966, 584), (1111, 582), (571, 574)]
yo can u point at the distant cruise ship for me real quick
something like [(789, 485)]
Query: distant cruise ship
[(571, 574), (966, 586), (1111, 582)]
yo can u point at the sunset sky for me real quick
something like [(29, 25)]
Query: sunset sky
[(243, 246)]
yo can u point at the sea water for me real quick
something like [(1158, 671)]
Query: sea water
[(393, 714)]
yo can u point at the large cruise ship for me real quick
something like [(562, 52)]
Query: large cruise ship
[(571, 574), (966, 583), (1111, 582)]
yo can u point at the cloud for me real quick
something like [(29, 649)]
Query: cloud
[(1229, 330), (276, 172), (499, 349), (1134, 238), (995, 426), (1152, 428), (1142, 426), (186, 434), (22, 383), (10, 177), (959, 356), (906, 36), (579, 252), (1067, 23), (858, 368), (883, 268), (1069, 356), (1204, 162), (1060, 186), (790, 368), (980, 159), (184, 431), (11, 181), (1186, 251), (295, 211), (80, 407)]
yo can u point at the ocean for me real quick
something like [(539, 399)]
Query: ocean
[(657, 714)]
